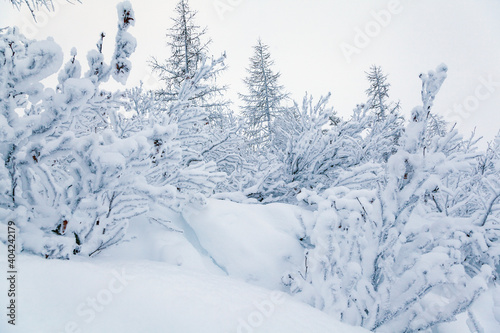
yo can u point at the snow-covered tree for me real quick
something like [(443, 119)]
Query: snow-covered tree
[(314, 147), (72, 190), (489, 169), (97, 114), (263, 104), (145, 159), (189, 49), (227, 147), (32, 140), (194, 176), (472, 195), (384, 124), (62, 178)]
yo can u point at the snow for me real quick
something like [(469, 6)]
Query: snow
[(42, 59), (78, 91), (253, 242), (398, 238), (166, 276), (485, 310), (158, 281)]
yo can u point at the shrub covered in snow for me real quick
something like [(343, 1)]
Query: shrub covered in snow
[(76, 170), (389, 257)]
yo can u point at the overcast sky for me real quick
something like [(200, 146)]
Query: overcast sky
[(318, 46)]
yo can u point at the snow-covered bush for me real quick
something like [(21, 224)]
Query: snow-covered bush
[(27, 121), (473, 195), (386, 257), (76, 169), (179, 133), (227, 148), (317, 147)]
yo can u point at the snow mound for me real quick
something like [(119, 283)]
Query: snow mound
[(144, 296), (257, 243)]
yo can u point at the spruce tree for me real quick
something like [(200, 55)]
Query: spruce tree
[(264, 102)]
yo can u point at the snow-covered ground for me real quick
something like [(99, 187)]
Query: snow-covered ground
[(215, 270), (257, 243), (160, 280), (147, 296)]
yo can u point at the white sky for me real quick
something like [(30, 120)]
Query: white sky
[(305, 39)]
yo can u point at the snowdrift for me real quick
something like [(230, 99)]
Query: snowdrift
[(146, 296)]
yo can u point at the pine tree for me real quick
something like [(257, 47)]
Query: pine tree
[(188, 51), (264, 102)]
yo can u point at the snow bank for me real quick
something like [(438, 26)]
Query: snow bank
[(257, 243), (144, 296)]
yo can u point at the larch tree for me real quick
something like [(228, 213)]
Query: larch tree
[(264, 102), (189, 48), (384, 122), (378, 91)]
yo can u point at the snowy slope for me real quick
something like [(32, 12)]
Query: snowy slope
[(257, 243), (145, 296), (213, 270), (161, 280)]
